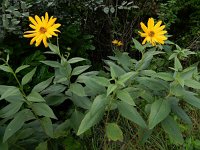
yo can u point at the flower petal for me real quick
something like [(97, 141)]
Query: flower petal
[(158, 24), (38, 20), (32, 21), (51, 22), (150, 23), (30, 35), (144, 28), (45, 41), (46, 17), (57, 25)]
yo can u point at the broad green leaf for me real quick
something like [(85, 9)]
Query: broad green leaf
[(75, 119), (126, 97), (53, 64), (10, 91), (42, 146), (6, 68), (21, 68), (42, 109), (192, 100), (130, 113), (15, 124), (54, 89), (47, 126), (62, 129), (172, 129), (192, 83), (138, 46), (55, 99), (164, 76), (101, 80), (54, 48), (111, 88), (116, 71), (125, 77), (75, 60), (181, 113), (10, 109), (77, 89), (42, 85), (80, 69), (99, 103), (177, 64), (114, 132), (80, 101), (144, 134), (25, 133), (35, 97), (160, 109), (90, 119), (28, 77)]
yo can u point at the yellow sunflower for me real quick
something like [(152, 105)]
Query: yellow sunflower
[(153, 33), (117, 43), (43, 29)]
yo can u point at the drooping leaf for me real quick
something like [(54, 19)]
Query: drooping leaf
[(54, 48), (6, 68), (130, 113), (114, 132), (77, 89), (28, 77), (53, 64), (42, 85), (177, 64), (172, 129), (21, 68), (192, 83), (76, 119), (42, 109), (35, 97), (10, 91), (126, 97), (138, 46), (160, 109), (10, 109), (80, 69), (47, 126), (75, 60)]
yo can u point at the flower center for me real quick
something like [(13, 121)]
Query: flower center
[(43, 30), (151, 33)]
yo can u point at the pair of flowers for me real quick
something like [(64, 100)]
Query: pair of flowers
[(45, 27)]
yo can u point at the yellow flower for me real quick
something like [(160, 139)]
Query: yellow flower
[(43, 29), (117, 43), (153, 34)]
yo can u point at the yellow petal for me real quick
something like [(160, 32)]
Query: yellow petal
[(160, 28), (144, 41), (38, 20), (142, 34), (39, 39), (34, 39), (45, 41), (50, 31), (51, 22), (32, 26), (57, 25), (48, 35), (144, 28), (29, 35), (158, 24), (32, 21), (162, 32), (150, 23), (29, 32), (46, 17)]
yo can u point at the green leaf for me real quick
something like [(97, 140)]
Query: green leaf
[(10, 109), (54, 89), (111, 88), (177, 64), (138, 46), (28, 77), (35, 97), (6, 68), (125, 77), (160, 109), (42, 109), (47, 126), (75, 119), (15, 124), (42, 85), (99, 103), (192, 100), (83, 103), (53, 64), (164, 76), (80, 69), (116, 71), (172, 129), (130, 113), (42, 146), (54, 48), (75, 60), (55, 99), (77, 89), (114, 132), (10, 91), (101, 80), (192, 83), (126, 97), (21, 68)]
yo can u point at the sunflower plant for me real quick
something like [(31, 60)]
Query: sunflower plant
[(127, 89)]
